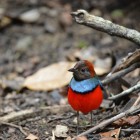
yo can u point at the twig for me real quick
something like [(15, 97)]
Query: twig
[(137, 101), (60, 118), (126, 92), (130, 59), (16, 126), (130, 130), (124, 83), (109, 121), (32, 112), (98, 23), (120, 73)]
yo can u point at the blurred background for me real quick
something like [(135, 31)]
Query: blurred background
[(37, 33)]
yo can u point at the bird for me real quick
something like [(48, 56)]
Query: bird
[(85, 89)]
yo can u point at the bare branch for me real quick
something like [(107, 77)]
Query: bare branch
[(137, 101), (98, 23), (27, 113), (121, 73), (109, 121), (130, 59), (23, 114), (126, 92), (16, 126)]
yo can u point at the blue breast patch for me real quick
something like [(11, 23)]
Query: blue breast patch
[(84, 86)]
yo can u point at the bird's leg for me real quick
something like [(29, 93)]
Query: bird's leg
[(91, 118), (77, 122)]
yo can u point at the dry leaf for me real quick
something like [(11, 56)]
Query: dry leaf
[(113, 133), (31, 137), (69, 138), (108, 138), (131, 120), (50, 77), (81, 138), (60, 131)]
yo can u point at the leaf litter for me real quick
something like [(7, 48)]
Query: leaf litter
[(11, 59), (51, 77)]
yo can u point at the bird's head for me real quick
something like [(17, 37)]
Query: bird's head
[(83, 70)]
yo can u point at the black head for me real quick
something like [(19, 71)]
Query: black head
[(82, 70)]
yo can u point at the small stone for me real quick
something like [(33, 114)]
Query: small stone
[(50, 28), (60, 131), (30, 16), (24, 43)]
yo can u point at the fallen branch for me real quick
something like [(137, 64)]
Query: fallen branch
[(15, 126), (137, 101), (24, 114), (98, 23), (121, 73), (109, 121), (126, 92), (135, 104), (130, 130), (27, 113), (130, 59)]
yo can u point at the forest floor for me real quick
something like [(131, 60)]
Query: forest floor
[(27, 45)]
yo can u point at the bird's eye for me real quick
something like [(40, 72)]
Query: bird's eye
[(83, 70)]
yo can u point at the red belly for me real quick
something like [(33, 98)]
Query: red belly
[(85, 102)]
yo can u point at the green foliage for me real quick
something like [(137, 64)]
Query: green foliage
[(82, 44), (118, 13)]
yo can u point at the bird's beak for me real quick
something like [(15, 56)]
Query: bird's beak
[(72, 70)]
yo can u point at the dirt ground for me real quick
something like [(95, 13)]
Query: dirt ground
[(26, 45)]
